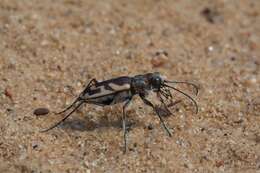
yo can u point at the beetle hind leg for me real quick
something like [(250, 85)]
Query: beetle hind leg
[(92, 82), (70, 106)]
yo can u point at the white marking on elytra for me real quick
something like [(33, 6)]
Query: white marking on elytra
[(119, 87), (104, 91)]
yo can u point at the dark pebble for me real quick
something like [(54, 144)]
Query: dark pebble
[(34, 146), (150, 127), (41, 111), (9, 94), (210, 14), (9, 110)]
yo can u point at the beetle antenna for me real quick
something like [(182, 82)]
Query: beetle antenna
[(195, 103), (188, 83)]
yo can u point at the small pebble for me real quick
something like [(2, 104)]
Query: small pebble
[(219, 163), (210, 48), (211, 15), (160, 58), (8, 94), (34, 145), (41, 111), (9, 109), (150, 127)]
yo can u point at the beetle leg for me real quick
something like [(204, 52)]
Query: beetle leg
[(79, 97), (63, 119), (164, 104), (72, 104), (92, 81), (147, 102), (124, 122)]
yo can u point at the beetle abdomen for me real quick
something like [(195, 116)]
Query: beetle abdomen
[(108, 87), (111, 99)]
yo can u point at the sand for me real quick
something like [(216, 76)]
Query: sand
[(49, 50)]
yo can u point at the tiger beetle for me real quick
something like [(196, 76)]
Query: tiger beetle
[(121, 90)]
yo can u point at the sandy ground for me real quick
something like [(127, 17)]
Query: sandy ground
[(48, 48)]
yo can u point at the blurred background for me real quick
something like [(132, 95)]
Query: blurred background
[(51, 49)]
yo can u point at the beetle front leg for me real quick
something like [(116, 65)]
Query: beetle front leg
[(164, 104), (147, 102)]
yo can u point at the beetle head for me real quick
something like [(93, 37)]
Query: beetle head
[(155, 80)]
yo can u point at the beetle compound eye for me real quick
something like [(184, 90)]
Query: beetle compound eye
[(156, 82)]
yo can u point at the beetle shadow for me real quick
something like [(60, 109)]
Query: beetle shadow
[(87, 124)]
